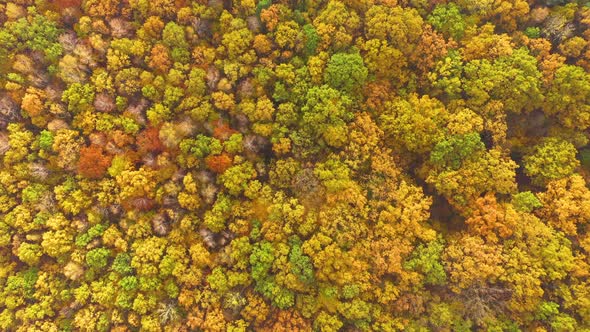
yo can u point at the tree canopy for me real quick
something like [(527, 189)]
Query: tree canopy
[(273, 165)]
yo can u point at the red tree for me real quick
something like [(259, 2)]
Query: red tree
[(222, 131), (219, 163), (149, 141), (93, 163)]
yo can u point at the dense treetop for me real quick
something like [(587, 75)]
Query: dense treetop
[(312, 165)]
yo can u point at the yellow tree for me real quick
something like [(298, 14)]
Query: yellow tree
[(564, 204)]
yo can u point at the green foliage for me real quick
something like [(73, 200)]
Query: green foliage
[(173, 35), (333, 174), (346, 72), (281, 297), (78, 97), (158, 114), (325, 115), (201, 146), (532, 32), (262, 4), (195, 84), (129, 283), (301, 263), (327, 322), (93, 232), (218, 281), (35, 32), (447, 19), (122, 264), (546, 310), (415, 123), (33, 193), (215, 218), (98, 258), (447, 75), (311, 39), (513, 80), (22, 283), (427, 260), (563, 323), (46, 140), (236, 178), (234, 144), (525, 201), (552, 159), (451, 152), (568, 97), (261, 260)]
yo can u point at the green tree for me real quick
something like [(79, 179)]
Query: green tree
[(447, 19), (324, 118), (346, 72), (568, 97), (552, 159), (451, 152), (98, 258), (236, 178), (525, 201), (426, 259), (513, 80)]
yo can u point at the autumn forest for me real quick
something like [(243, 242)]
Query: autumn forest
[(294, 165)]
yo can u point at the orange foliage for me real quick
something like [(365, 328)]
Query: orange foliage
[(431, 47), (287, 321), (66, 3), (491, 220), (160, 58), (101, 8), (93, 163), (270, 17), (219, 163), (149, 141), (262, 44), (378, 93), (565, 204), (138, 203), (223, 131), (120, 139), (32, 104)]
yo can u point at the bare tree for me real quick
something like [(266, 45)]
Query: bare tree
[(167, 312), (483, 301), (557, 28)]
